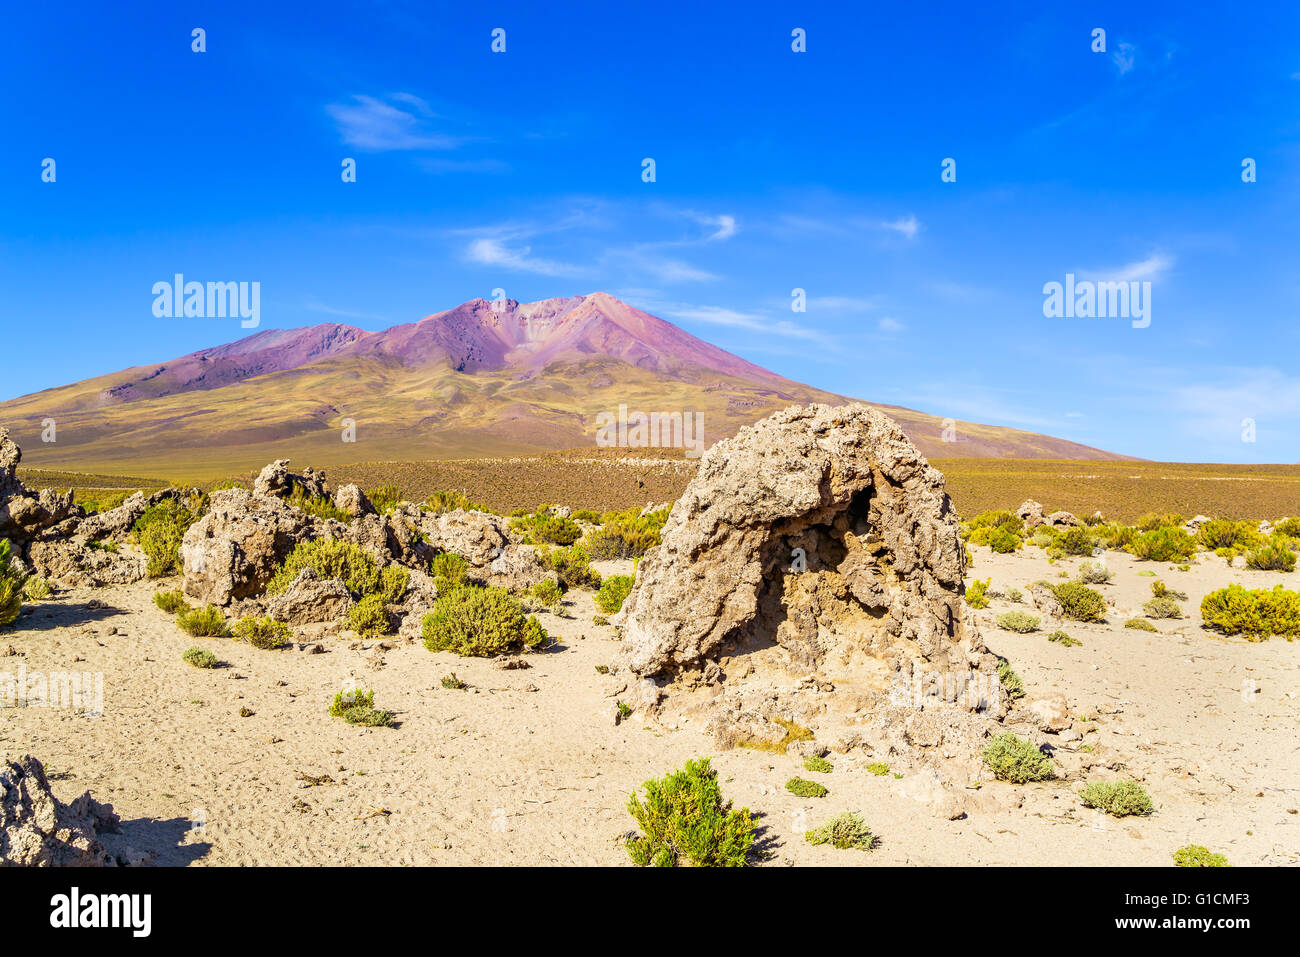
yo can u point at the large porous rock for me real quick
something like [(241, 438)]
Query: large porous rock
[(115, 523), (393, 537), (350, 499), (1062, 520), (78, 565), (24, 513), (39, 830), (822, 530), (276, 480), (235, 548), (1031, 513), (477, 537), (517, 567), (310, 599)]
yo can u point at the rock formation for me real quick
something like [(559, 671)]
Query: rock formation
[(39, 830), (819, 529), (24, 513)]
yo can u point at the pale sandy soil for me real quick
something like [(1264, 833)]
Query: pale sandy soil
[(528, 766)]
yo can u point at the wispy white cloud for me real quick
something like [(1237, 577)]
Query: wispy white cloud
[(1124, 57), (889, 325), (489, 251), (1151, 268), (905, 226), (737, 319), (400, 123), (841, 304)]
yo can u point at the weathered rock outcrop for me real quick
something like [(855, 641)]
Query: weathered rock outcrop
[(276, 480), (310, 599), (235, 548), (350, 499), (1031, 513), (477, 537), (80, 566), (24, 513), (39, 830), (822, 530)]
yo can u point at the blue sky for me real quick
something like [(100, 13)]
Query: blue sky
[(775, 170)]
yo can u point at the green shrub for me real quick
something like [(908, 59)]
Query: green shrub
[(358, 707), (36, 588), (449, 572), (613, 592), (1004, 541), (1275, 556), (1080, 602), (1223, 533), (440, 502), (1012, 758), (572, 565), (12, 581), (1290, 527), (1114, 535), (1061, 638), (541, 528), (548, 594), (1160, 590), (626, 534), (199, 658), (480, 622), (1194, 855), (1020, 621), (329, 559), (1254, 614), (385, 498), (452, 683), (846, 831), (318, 506), (1140, 624), (802, 787), (685, 820), (1154, 520), (813, 762), (977, 593), (369, 617), (1076, 540), (1118, 798), (205, 622), (393, 580), (1162, 607), (1010, 681), (265, 633), (159, 531), (1094, 573), (1163, 544), (878, 768), (170, 601)]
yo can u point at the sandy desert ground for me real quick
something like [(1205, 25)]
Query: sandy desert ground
[(529, 767)]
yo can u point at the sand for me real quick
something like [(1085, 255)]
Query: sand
[(529, 767)]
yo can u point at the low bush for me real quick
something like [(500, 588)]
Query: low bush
[(1012, 758), (385, 498), (358, 707), (684, 820), (1290, 527), (1114, 535), (1154, 520), (12, 580), (1076, 540), (159, 531), (1255, 614), (878, 768), (1094, 573), (199, 658), (369, 617), (977, 593), (844, 832), (1162, 607), (451, 501), (448, 571), (1224, 533), (547, 594), (1079, 602), (1011, 682), (170, 601), (1118, 798), (802, 787), (626, 534), (541, 528), (1194, 855), (813, 762), (572, 565), (1140, 624), (318, 506), (1274, 556), (1020, 621), (205, 622), (1061, 638), (265, 633), (480, 622), (329, 559), (1163, 544), (1160, 590), (393, 580), (36, 588), (613, 592)]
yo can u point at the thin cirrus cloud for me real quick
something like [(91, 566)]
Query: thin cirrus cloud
[(488, 251), (1149, 269), (402, 122), (906, 226), (735, 319)]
